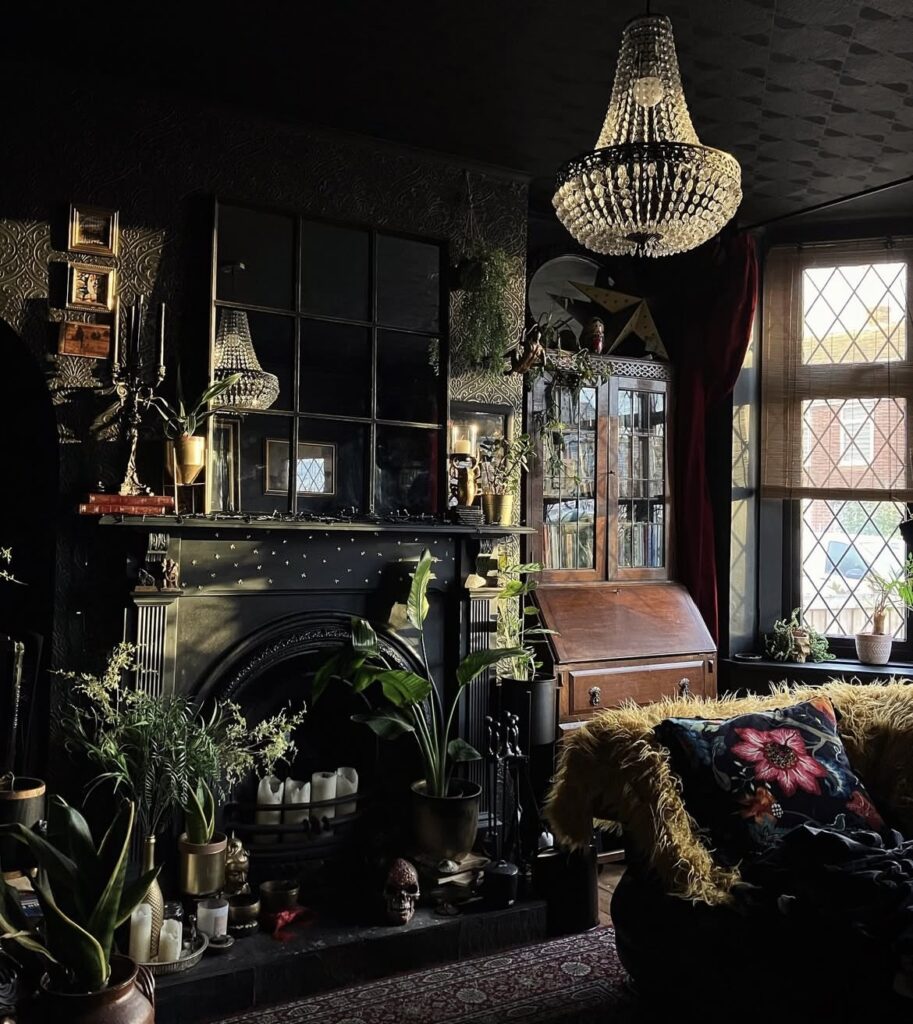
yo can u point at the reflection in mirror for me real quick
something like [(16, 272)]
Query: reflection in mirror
[(408, 469)]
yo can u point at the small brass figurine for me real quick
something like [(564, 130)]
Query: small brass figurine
[(237, 864), (527, 352), (171, 572), (465, 468)]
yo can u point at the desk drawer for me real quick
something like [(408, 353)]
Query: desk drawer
[(594, 688)]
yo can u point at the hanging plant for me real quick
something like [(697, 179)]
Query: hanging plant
[(485, 332)]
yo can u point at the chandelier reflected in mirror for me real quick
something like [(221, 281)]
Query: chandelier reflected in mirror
[(234, 354), (649, 188)]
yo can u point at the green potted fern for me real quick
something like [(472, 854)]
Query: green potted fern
[(84, 896), (445, 808), (200, 847)]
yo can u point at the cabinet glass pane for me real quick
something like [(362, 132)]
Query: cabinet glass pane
[(335, 272), (265, 244), (408, 469), (641, 478), (331, 468), (408, 283), (408, 377), (335, 369), (569, 483)]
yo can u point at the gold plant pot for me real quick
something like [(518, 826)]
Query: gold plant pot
[(498, 509), (185, 457), (202, 865)]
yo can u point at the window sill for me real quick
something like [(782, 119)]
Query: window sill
[(840, 667)]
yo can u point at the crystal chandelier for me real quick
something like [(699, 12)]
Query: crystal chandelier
[(234, 353), (650, 188)]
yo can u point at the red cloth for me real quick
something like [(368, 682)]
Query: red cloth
[(280, 924), (713, 345)]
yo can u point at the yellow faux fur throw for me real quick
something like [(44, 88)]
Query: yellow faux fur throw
[(614, 770)]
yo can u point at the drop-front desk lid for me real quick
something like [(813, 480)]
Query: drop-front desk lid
[(622, 620)]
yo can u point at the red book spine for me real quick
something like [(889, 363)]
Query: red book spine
[(134, 500), (119, 509)]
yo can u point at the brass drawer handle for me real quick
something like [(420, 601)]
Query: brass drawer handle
[(595, 696), (684, 687)]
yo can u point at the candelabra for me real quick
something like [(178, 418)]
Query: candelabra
[(135, 380)]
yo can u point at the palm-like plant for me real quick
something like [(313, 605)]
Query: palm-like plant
[(185, 419), (414, 706), (519, 623), (83, 894)]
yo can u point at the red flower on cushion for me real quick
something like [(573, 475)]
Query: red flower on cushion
[(860, 805), (761, 806), (779, 756)]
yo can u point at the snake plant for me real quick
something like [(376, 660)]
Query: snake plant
[(83, 894), (200, 815)]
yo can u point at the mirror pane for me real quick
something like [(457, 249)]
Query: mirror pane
[(335, 374), (335, 271), (264, 243), (408, 283), (409, 381)]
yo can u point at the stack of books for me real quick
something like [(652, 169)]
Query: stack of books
[(127, 505)]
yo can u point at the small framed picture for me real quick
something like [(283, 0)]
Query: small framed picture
[(93, 230), (90, 340), (315, 472), (90, 287)]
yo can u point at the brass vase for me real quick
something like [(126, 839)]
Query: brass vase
[(498, 509), (153, 897), (128, 998), (202, 865), (185, 457)]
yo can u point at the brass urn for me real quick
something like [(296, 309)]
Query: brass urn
[(185, 457)]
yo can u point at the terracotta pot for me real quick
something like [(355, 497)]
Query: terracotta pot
[(23, 803), (202, 867), (185, 457), (445, 827), (128, 999), (498, 509), (874, 648)]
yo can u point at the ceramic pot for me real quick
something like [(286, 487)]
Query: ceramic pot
[(185, 457), (444, 827), (498, 509), (22, 803), (874, 648), (202, 865), (128, 999), (533, 701)]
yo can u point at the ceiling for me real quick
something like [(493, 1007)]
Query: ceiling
[(814, 97)]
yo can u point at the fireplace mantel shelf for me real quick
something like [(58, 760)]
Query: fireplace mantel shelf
[(182, 523)]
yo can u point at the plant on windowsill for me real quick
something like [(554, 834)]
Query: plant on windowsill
[(502, 460), (445, 809), (875, 648), (83, 894), (792, 641), (185, 450)]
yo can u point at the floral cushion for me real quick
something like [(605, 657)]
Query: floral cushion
[(748, 780)]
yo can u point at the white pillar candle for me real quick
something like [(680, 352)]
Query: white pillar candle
[(346, 785), (141, 933), (269, 791), (323, 787), (296, 792), (212, 917), (170, 938)]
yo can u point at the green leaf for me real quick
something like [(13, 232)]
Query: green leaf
[(364, 639), (364, 676), (512, 588), (76, 948), (112, 854), (132, 895), (530, 609), (403, 688), (476, 663), (389, 725), (330, 669), (417, 604), (60, 869), (459, 751)]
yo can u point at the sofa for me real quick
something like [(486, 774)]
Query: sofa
[(687, 928)]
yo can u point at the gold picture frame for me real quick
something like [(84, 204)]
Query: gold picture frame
[(276, 466), (90, 287), (90, 341), (93, 230)]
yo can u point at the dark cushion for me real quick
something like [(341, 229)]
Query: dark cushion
[(749, 779)]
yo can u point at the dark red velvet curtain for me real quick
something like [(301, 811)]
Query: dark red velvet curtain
[(712, 348)]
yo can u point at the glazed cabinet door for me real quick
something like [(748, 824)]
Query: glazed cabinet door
[(568, 482), (639, 503)]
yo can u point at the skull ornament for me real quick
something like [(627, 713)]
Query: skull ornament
[(401, 892)]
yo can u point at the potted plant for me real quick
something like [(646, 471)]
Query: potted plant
[(875, 648), (185, 450), (519, 627), (83, 895), (166, 753), (445, 808), (503, 459), (485, 331), (21, 797), (791, 641)]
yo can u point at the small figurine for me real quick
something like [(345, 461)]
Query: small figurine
[(401, 892), (145, 579), (527, 352), (171, 572), (592, 336), (237, 864)]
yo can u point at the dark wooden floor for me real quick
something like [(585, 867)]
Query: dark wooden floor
[(609, 877)]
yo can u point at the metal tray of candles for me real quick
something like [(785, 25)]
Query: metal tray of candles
[(189, 958)]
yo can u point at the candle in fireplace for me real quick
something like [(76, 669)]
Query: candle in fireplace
[(269, 792), (323, 787), (346, 785), (296, 792)]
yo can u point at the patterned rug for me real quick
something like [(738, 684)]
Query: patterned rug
[(573, 980)]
